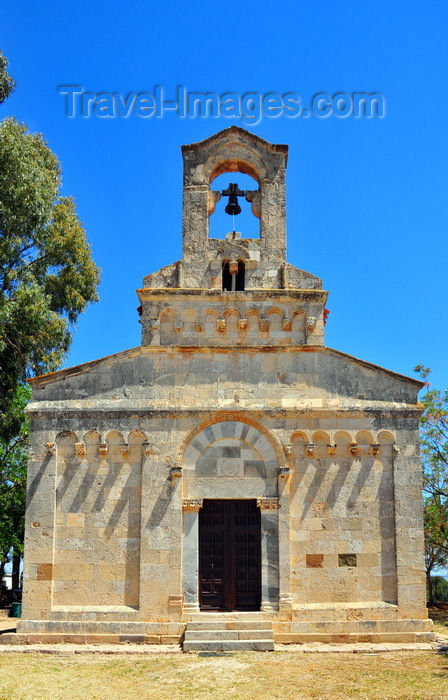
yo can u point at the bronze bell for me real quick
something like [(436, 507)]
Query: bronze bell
[(233, 207), (233, 192)]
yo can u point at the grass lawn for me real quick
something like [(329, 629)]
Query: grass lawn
[(240, 675), (243, 675)]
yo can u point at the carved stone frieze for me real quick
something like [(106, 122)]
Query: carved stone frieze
[(267, 503), (194, 504)]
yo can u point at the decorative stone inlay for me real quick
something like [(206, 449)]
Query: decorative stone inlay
[(264, 325), (102, 449), (331, 449), (192, 504), (309, 448), (347, 560), (230, 467), (267, 503), (353, 448), (51, 447), (80, 449)]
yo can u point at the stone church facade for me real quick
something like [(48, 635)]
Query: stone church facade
[(232, 472)]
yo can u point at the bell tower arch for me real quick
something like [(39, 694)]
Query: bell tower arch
[(233, 150)]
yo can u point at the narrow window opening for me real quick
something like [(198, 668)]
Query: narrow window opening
[(233, 276), (240, 277), (226, 277)]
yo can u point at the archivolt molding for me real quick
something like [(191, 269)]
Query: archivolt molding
[(237, 418)]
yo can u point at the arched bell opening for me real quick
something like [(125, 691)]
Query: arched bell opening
[(232, 215)]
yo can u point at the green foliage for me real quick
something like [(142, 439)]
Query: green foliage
[(47, 275), (434, 452), (7, 84), (13, 464), (440, 588)]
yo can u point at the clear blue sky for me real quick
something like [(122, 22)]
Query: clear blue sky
[(367, 198)]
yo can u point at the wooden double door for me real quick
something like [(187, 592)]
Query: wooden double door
[(229, 555)]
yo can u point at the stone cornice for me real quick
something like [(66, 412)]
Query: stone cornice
[(69, 412)]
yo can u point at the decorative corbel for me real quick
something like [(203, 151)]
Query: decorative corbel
[(221, 325), (396, 449), (147, 448), (331, 448), (254, 197), (175, 473), (213, 199), (199, 326), (309, 448), (288, 449), (374, 448), (179, 326), (154, 323), (284, 472), (353, 448), (51, 447), (264, 325), (102, 449), (124, 448), (242, 324), (287, 325), (310, 323)]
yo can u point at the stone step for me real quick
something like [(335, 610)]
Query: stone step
[(229, 625), (230, 645), (228, 634), (198, 635)]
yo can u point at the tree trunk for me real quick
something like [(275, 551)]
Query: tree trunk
[(430, 590), (15, 572)]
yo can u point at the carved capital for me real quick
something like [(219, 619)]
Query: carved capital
[(192, 504), (80, 449), (267, 503)]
